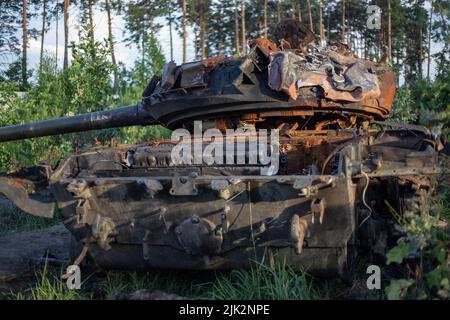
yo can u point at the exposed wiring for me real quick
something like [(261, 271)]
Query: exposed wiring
[(364, 199)]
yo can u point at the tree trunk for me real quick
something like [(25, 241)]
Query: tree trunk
[(143, 43), (66, 33), (420, 61), (389, 53), (236, 28), (91, 21), (382, 42), (57, 26), (244, 40), (25, 44), (259, 23), (299, 12), (322, 37), (202, 35), (311, 25), (278, 11), (111, 47), (183, 23), (265, 19), (221, 17), (343, 21), (348, 20), (328, 6), (44, 16), (170, 34), (196, 43), (429, 41)]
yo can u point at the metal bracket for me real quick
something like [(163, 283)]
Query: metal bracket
[(310, 185), (317, 209), (224, 218), (183, 186), (299, 229)]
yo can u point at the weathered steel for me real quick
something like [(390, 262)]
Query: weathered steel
[(119, 117), (135, 208)]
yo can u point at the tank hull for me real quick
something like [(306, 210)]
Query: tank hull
[(134, 209)]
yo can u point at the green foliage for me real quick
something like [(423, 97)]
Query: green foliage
[(426, 101), (83, 87), (89, 75), (433, 96), (13, 219), (140, 16), (398, 253), (151, 63), (88, 84), (262, 282), (403, 108), (397, 288), (423, 250), (49, 287), (133, 84), (119, 283), (259, 282), (13, 74)]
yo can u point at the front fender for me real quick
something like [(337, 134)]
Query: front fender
[(28, 195)]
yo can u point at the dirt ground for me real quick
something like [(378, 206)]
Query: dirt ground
[(23, 252)]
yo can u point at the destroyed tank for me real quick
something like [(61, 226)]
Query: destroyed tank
[(337, 168)]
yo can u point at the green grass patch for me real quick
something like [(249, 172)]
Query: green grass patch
[(258, 282), (12, 219), (49, 286), (262, 282), (190, 284)]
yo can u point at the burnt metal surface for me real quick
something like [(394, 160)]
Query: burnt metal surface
[(136, 209), (149, 213)]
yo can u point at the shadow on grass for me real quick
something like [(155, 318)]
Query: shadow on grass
[(12, 219)]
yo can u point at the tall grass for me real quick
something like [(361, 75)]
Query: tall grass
[(259, 282), (262, 282), (186, 284), (49, 287), (12, 219)]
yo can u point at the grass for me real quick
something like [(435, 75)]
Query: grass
[(12, 219), (119, 283), (263, 282), (259, 282), (48, 286)]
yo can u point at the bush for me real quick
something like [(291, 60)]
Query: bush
[(85, 86), (423, 255), (403, 109)]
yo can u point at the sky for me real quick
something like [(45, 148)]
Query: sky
[(124, 53)]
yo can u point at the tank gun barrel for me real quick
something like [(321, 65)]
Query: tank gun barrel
[(114, 118)]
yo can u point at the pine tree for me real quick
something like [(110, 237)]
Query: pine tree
[(44, 17), (111, 46), (244, 39), (236, 28), (184, 29), (66, 33)]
